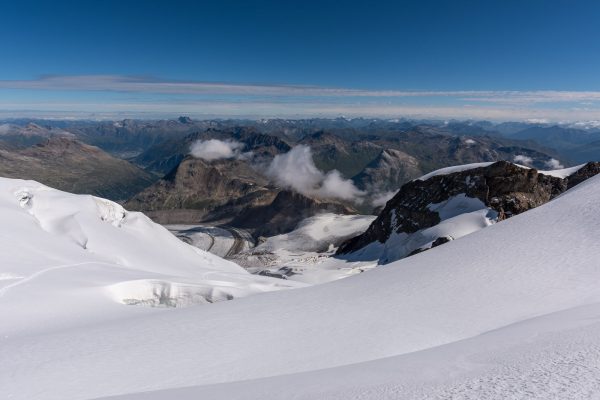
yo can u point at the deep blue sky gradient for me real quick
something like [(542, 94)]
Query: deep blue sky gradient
[(394, 45)]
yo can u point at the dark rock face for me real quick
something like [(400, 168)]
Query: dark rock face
[(202, 185), (501, 186), (440, 241), (587, 171)]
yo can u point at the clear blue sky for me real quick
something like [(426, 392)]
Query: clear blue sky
[(425, 46)]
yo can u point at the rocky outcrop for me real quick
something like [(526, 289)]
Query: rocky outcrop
[(587, 171), (204, 186), (502, 187)]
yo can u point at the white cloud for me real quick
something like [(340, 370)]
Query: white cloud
[(381, 199), (136, 97), (335, 186), (525, 160), (553, 163), (215, 149), (297, 170)]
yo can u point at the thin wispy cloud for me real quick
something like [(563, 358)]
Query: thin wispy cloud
[(119, 83), (144, 96)]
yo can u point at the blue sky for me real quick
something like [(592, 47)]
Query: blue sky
[(481, 59)]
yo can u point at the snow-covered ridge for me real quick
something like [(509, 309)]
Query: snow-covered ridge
[(455, 168), (558, 173)]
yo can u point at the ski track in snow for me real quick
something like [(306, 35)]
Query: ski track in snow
[(37, 274)]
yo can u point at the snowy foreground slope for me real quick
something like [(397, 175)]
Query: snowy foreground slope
[(68, 259), (511, 311)]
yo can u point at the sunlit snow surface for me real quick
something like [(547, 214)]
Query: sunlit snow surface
[(511, 311), (69, 258)]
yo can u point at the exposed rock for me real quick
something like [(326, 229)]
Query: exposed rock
[(503, 187), (587, 171), (441, 240), (204, 186)]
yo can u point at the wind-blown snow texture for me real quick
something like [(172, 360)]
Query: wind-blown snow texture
[(511, 311)]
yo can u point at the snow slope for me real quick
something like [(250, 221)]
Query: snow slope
[(511, 311), (558, 173), (69, 259)]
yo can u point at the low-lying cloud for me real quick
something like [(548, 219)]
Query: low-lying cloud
[(553, 163), (525, 160), (296, 170), (215, 149), (380, 199)]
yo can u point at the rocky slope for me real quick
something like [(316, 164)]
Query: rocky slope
[(70, 165), (331, 151), (390, 170), (435, 209), (21, 136), (227, 191), (202, 188)]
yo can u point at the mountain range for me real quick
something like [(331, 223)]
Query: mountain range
[(149, 165)]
